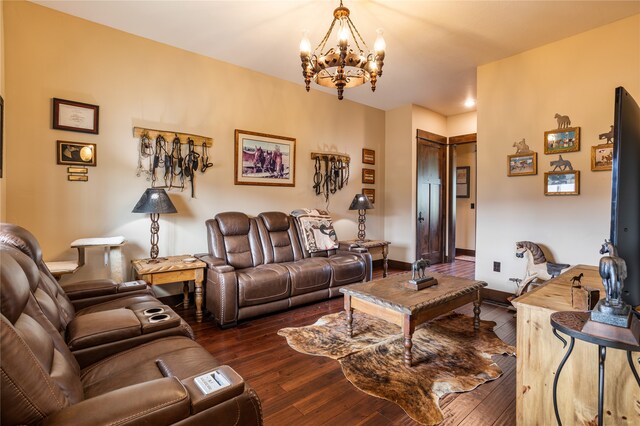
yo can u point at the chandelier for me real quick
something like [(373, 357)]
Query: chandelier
[(342, 66)]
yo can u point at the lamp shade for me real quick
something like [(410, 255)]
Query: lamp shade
[(360, 202), (154, 200)]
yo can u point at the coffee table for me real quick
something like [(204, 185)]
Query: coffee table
[(388, 299)]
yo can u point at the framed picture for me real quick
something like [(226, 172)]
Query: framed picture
[(368, 156), (562, 140), (522, 164), (368, 176), (462, 181), (602, 157), (262, 159), (75, 116), (562, 183), (370, 193), (76, 153)]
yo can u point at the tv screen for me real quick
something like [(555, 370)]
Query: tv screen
[(625, 191)]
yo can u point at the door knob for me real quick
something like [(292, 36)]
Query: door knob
[(420, 218)]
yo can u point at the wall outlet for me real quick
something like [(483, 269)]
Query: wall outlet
[(496, 266), (473, 206)]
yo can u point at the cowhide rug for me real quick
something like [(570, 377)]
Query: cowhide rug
[(447, 357)]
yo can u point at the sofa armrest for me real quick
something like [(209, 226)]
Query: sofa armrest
[(160, 401), (352, 248), (222, 294), (214, 262), (366, 258), (101, 287), (201, 401)]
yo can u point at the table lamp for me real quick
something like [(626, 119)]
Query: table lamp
[(154, 201), (362, 204)]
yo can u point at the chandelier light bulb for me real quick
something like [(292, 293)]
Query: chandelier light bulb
[(305, 44), (343, 32), (380, 45)]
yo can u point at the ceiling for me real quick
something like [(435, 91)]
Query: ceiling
[(433, 47)]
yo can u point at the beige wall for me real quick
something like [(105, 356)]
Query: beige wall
[(3, 181), (137, 82), (462, 124), (517, 98)]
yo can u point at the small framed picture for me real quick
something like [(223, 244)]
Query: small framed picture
[(562, 183), (370, 193), (562, 140), (522, 164), (602, 157), (262, 159), (462, 181), (368, 156), (368, 176), (76, 153), (75, 116)]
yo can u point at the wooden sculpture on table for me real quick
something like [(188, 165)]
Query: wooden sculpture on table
[(537, 266), (419, 279)]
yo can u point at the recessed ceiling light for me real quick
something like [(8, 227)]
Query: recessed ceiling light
[(470, 103)]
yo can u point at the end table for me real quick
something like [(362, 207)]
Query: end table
[(374, 246), (172, 270)]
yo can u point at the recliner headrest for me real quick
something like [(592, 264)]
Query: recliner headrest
[(275, 221), (14, 285), (233, 223), (21, 239)]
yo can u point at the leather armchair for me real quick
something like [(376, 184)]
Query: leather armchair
[(153, 383)]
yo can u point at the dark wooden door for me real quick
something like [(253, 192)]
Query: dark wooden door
[(431, 181)]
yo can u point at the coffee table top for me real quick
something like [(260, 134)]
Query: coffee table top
[(391, 293)]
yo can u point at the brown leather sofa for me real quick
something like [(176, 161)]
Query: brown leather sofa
[(259, 265), (152, 383)]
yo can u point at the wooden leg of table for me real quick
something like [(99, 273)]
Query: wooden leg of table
[(197, 289), (185, 290), (385, 262), (476, 311), (349, 312), (407, 331)]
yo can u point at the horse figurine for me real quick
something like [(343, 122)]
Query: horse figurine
[(418, 269), (521, 147), (608, 247), (563, 121), (608, 136), (613, 271), (538, 268)]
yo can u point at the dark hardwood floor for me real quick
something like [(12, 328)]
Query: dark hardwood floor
[(298, 389)]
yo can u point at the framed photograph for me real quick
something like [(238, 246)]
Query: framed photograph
[(370, 193), (75, 116), (462, 181), (78, 178), (602, 157), (522, 164), (562, 183), (562, 140), (262, 159), (368, 156), (368, 176), (76, 153)]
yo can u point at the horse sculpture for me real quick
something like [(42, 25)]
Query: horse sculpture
[(561, 164), (608, 136), (563, 121), (418, 268), (538, 268), (613, 271), (521, 147)]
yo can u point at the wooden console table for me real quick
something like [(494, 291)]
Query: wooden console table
[(172, 270), (539, 353), (374, 246)]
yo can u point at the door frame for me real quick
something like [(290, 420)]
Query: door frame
[(423, 135), (450, 187)]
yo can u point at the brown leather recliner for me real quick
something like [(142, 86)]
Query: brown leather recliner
[(41, 382), (80, 293), (258, 265)]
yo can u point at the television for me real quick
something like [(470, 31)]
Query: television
[(625, 191)]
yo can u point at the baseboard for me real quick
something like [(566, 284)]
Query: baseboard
[(378, 263), (396, 264), (496, 296), (465, 252)]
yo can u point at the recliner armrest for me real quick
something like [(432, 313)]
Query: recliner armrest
[(160, 401), (215, 262), (100, 287), (201, 401)]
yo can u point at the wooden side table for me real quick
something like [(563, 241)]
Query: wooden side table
[(112, 257), (172, 270), (374, 246)]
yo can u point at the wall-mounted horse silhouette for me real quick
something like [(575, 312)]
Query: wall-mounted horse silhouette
[(537, 266)]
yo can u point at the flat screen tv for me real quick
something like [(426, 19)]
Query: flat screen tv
[(625, 191)]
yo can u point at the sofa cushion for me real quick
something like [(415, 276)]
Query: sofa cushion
[(233, 223), (347, 269), (308, 275), (275, 221), (264, 283)]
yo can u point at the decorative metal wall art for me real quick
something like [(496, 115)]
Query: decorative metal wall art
[(331, 172), (163, 159), (521, 147), (561, 164), (562, 139)]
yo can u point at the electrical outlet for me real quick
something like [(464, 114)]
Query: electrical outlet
[(496, 266), (473, 206)]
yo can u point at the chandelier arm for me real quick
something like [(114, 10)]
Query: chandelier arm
[(323, 42), (353, 27)]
